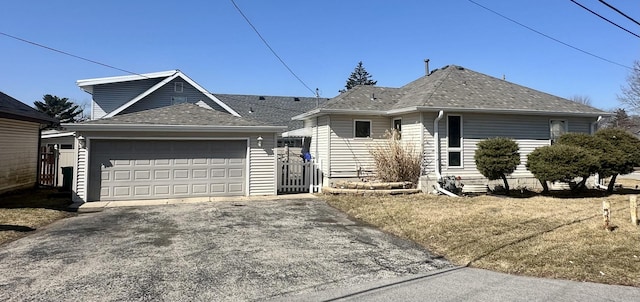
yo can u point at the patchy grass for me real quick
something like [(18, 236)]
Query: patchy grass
[(25, 211), (537, 236)]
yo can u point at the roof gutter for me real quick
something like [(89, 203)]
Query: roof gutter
[(170, 128), (504, 111)]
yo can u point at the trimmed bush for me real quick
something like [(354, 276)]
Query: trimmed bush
[(496, 158), (626, 155), (607, 155), (396, 161), (561, 163)]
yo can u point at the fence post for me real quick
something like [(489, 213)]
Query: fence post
[(606, 215), (633, 205)]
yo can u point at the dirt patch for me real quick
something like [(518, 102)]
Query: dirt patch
[(25, 211)]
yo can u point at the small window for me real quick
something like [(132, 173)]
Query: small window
[(455, 159), (362, 129), (454, 141), (66, 146), (178, 87), (557, 128)]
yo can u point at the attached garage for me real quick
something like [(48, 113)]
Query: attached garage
[(127, 170), (176, 152)]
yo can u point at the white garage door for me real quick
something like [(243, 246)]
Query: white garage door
[(155, 169)]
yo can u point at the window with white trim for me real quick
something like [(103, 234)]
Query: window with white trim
[(361, 128), (454, 141), (178, 87), (556, 129)]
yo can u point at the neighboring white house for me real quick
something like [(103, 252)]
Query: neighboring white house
[(444, 115), (20, 127)]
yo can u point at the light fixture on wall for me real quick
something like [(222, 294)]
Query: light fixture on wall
[(260, 141), (82, 141)]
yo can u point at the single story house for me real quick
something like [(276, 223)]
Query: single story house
[(20, 127), (443, 114), (177, 151)]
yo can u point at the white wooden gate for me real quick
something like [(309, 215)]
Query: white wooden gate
[(297, 176)]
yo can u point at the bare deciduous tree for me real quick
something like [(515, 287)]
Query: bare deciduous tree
[(630, 96)]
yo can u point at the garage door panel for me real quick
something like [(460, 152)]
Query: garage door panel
[(236, 187), (165, 169), (121, 175), (142, 175)]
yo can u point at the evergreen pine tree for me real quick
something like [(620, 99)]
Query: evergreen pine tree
[(359, 76), (61, 108)]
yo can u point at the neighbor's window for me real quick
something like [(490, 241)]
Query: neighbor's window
[(557, 128), (454, 140), (362, 128), (178, 87)]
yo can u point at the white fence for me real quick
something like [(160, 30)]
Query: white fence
[(299, 177)]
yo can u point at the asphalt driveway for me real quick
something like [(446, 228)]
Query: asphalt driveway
[(218, 251)]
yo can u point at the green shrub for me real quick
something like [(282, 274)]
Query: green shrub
[(496, 158), (625, 154), (396, 160), (608, 157), (561, 163)]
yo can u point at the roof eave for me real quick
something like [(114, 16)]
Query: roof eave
[(320, 112), (170, 128), (510, 111), (89, 83)]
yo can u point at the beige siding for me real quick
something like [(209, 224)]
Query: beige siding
[(320, 134), (349, 154), (262, 165), (18, 154), (80, 180), (428, 164), (411, 127)]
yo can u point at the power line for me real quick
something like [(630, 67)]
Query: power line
[(603, 18), (619, 12), (269, 46), (551, 38), (70, 54)]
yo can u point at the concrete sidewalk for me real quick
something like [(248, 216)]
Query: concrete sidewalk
[(471, 284), (96, 206)]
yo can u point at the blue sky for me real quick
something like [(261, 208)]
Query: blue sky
[(322, 41)]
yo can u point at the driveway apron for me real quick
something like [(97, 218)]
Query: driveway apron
[(216, 251)]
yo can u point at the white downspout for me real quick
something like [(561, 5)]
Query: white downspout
[(596, 179), (436, 153)]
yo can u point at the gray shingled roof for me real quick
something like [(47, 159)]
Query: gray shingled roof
[(271, 110), (454, 87), (14, 109), (179, 114), (365, 97)]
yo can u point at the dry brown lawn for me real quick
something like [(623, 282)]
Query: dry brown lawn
[(537, 236), (25, 211)]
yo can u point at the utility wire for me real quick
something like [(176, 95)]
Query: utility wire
[(70, 54), (551, 38), (603, 18), (270, 48), (618, 11)]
